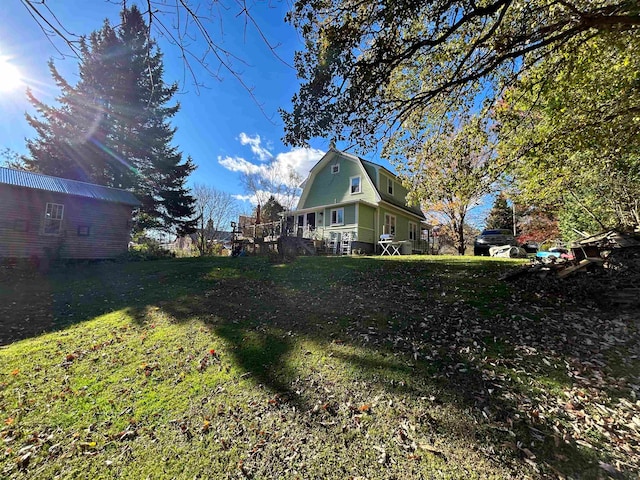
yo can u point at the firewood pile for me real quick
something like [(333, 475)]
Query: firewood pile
[(603, 267)]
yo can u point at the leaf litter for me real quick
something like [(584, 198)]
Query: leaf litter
[(405, 376)]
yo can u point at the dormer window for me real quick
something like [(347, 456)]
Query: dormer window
[(335, 168), (390, 186), (356, 185)]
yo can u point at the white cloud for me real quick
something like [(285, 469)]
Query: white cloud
[(239, 164), (262, 195), (276, 171), (246, 198), (300, 160), (258, 150)]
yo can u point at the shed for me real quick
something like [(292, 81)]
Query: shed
[(49, 217)]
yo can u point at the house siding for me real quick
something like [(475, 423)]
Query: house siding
[(366, 224), (402, 222), (349, 216), (399, 192), (108, 223), (332, 188)]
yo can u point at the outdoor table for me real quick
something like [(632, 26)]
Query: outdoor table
[(390, 247)]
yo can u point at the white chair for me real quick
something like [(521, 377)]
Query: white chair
[(346, 244), (334, 243)]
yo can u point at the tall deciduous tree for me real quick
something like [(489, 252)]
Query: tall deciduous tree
[(113, 127), (273, 180), (539, 225), (453, 52), (570, 134), (214, 210), (446, 173)]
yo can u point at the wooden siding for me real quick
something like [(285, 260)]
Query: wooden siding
[(402, 221), (332, 188), (366, 224), (400, 193), (108, 224), (349, 216)]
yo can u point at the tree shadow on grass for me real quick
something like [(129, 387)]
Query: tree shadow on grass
[(260, 321), (409, 314), (33, 303)]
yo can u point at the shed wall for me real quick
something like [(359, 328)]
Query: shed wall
[(22, 212)]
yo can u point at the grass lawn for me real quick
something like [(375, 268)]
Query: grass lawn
[(410, 367)]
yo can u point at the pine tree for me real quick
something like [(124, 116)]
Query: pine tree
[(271, 209), (501, 214), (113, 127)]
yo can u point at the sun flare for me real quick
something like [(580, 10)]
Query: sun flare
[(10, 76)]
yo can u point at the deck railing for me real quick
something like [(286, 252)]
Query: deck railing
[(332, 241)]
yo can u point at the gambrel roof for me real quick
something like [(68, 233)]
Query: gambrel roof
[(371, 173)]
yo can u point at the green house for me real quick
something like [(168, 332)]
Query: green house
[(348, 203)]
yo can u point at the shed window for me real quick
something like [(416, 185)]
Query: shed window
[(335, 168), (356, 185), (337, 216), (53, 219)]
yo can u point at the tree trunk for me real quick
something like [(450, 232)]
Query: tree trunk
[(460, 239)]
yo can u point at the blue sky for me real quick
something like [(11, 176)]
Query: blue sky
[(219, 124)]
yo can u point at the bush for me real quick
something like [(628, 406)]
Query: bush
[(147, 249)]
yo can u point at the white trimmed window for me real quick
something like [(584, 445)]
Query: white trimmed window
[(389, 186), (53, 219), (337, 216), (356, 185), (335, 168), (389, 224), (413, 231)]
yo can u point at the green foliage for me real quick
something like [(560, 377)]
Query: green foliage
[(112, 128), (441, 53), (270, 210), (11, 159), (145, 248), (570, 134), (445, 172)]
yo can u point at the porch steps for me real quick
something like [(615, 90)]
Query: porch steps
[(303, 246)]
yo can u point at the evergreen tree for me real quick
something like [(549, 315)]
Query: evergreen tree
[(501, 214), (270, 210), (113, 127)]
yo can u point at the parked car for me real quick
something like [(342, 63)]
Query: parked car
[(492, 238)]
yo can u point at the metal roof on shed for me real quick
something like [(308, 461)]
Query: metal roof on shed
[(48, 183)]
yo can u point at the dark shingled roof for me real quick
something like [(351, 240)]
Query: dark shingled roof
[(19, 178)]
